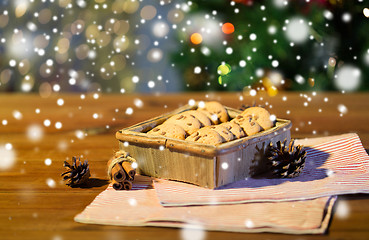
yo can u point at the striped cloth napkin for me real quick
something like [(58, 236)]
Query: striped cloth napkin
[(141, 207), (334, 165), (303, 205)]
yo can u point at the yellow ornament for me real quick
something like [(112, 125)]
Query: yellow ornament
[(224, 69), (272, 91), (220, 80)]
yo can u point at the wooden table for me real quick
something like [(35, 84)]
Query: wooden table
[(36, 204)]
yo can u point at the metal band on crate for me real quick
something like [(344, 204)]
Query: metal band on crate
[(120, 156)]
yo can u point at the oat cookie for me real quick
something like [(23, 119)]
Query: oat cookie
[(189, 123), (248, 125), (169, 130), (202, 117), (206, 136), (235, 129), (224, 132), (260, 115), (213, 117), (218, 109)]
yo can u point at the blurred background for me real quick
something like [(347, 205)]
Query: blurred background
[(123, 46)]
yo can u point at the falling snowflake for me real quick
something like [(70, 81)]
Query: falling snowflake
[(48, 161), (193, 232), (35, 132), (342, 209), (51, 183), (7, 154)]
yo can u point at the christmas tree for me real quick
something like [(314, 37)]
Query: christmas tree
[(171, 45), (274, 45)]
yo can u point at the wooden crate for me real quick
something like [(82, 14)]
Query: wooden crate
[(204, 165)]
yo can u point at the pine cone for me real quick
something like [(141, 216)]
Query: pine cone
[(286, 161), (77, 173)]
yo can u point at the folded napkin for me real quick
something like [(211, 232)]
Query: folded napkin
[(141, 207), (334, 165)]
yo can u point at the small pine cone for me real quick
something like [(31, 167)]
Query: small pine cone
[(77, 173), (286, 161)]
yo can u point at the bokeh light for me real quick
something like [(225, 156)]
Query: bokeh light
[(160, 29), (148, 12), (366, 12), (253, 36), (224, 69), (20, 7), (297, 30), (155, 55), (4, 19), (196, 38), (228, 28), (348, 78)]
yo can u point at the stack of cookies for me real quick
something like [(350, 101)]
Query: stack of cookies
[(211, 124)]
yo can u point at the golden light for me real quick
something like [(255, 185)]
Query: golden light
[(175, 16), (5, 76), (103, 39), (119, 62), (131, 6), (4, 19), (82, 51), (46, 71), (40, 41), (92, 32), (127, 84), (45, 90), (24, 66), (61, 57), (148, 12), (77, 27), (121, 43), (63, 45), (106, 71), (121, 27), (64, 3), (224, 69), (116, 7), (196, 38), (109, 24), (311, 82), (272, 91), (44, 16), (21, 8)]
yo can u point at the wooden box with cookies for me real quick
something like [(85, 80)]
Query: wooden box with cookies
[(206, 144)]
